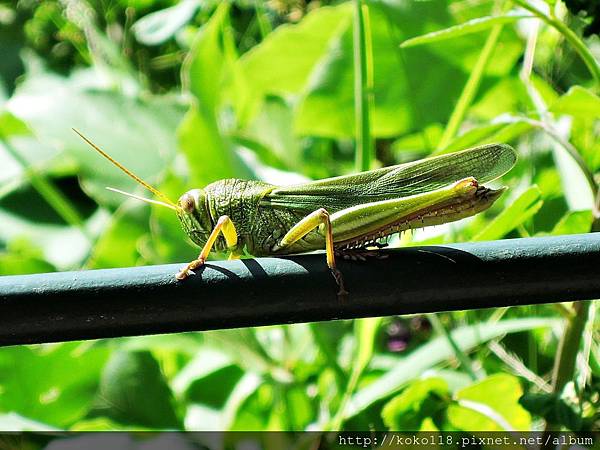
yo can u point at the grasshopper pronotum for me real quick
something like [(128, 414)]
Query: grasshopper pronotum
[(336, 214)]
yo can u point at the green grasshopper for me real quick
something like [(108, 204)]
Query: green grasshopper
[(340, 214)]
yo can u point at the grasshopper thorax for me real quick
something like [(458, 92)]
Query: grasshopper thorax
[(194, 215)]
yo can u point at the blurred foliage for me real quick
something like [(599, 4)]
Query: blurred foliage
[(185, 93)]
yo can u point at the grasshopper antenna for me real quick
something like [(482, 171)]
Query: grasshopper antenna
[(144, 199), (166, 201)]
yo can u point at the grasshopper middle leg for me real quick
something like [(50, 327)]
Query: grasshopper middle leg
[(224, 225), (305, 226)]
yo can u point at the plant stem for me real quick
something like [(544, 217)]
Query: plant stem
[(568, 349), (363, 88), (470, 90), (571, 37)]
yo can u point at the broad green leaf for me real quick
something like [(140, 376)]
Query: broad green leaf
[(491, 404), (117, 246), (524, 207), (471, 26), (133, 391), (327, 107), (196, 381), (273, 129), (283, 62), (54, 384), (420, 400), (433, 353), (406, 91), (246, 406), (11, 126), (585, 136), (584, 107), (167, 242), (207, 63), (243, 346), (209, 154), (574, 222), (578, 101), (23, 259), (209, 151), (159, 26), (127, 127), (19, 152), (62, 246)]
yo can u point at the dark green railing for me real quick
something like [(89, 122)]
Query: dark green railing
[(146, 300)]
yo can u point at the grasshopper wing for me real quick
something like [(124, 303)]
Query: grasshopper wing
[(484, 163)]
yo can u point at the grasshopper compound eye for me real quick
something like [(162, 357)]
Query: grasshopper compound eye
[(187, 202)]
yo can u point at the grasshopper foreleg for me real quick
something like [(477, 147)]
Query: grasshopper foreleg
[(224, 225), (305, 226)]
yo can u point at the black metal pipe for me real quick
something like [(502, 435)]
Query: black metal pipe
[(226, 294)]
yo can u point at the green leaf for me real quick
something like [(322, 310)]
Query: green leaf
[(62, 246), (209, 154), (159, 26), (364, 334), (127, 127), (574, 222), (11, 126), (207, 64), (133, 391), (117, 246), (405, 91), (524, 207), (420, 400), (209, 151), (283, 62), (471, 26), (552, 408), (578, 101), (52, 384), (491, 404), (435, 352), (22, 260), (243, 346), (196, 381)]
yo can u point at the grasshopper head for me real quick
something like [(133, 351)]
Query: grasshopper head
[(194, 216)]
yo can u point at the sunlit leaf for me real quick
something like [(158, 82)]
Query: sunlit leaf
[(578, 101), (420, 400), (434, 352), (133, 391), (491, 404), (53, 385), (157, 27), (472, 26), (524, 207)]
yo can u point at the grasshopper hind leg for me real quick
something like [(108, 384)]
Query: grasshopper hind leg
[(305, 226)]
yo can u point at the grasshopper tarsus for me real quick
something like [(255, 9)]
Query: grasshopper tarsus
[(189, 269), (342, 293)]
